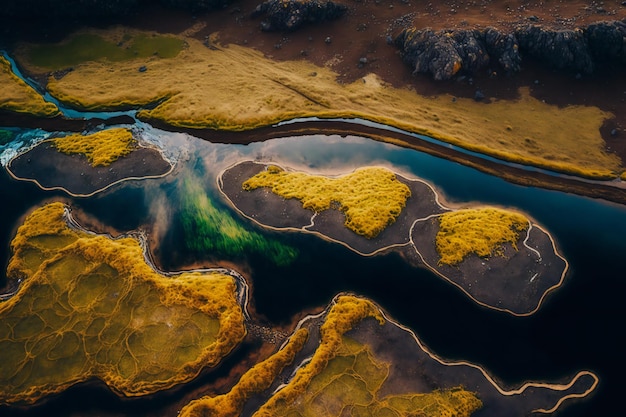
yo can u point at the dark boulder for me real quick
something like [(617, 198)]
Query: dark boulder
[(607, 40), (443, 53), (289, 15), (560, 49), (504, 48)]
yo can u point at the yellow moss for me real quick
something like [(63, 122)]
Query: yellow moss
[(101, 148), (254, 381), (17, 96), (344, 374), (370, 198), (91, 307), (482, 231), (218, 88)]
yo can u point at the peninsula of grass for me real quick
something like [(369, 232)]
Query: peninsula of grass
[(101, 148), (482, 231), (345, 374), (91, 307), (370, 198), (254, 381), (236, 88), (17, 96)]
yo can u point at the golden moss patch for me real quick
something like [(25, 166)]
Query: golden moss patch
[(370, 198), (256, 380), (90, 306), (219, 88), (17, 96), (101, 148), (345, 375), (482, 231)]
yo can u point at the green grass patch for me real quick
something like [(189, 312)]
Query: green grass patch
[(87, 47)]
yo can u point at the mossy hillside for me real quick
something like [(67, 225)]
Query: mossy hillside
[(90, 307), (345, 375), (237, 88), (256, 380), (112, 46), (17, 96), (209, 230), (101, 148), (482, 231), (371, 198)]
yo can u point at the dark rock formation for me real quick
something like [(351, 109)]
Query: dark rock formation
[(288, 15), (446, 53), (561, 49), (607, 40), (503, 48)]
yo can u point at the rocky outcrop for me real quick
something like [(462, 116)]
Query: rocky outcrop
[(607, 41), (443, 54), (289, 15), (560, 49)]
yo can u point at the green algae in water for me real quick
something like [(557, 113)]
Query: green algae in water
[(91, 47), (6, 136), (208, 229)]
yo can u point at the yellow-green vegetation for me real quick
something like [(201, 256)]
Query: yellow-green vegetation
[(91, 307), (112, 46), (344, 378), (17, 96), (254, 381), (237, 88), (371, 198), (482, 231), (101, 148)]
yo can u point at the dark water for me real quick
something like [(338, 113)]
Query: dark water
[(577, 328)]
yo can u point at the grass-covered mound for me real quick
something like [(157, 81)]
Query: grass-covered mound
[(237, 88), (101, 148), (344, 374), (482, 231), (371, 198), (17, 96), (91, 307), (209, 230)]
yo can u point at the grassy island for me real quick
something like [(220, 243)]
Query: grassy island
[(482, 231), (101, 148), (207, 85), (17, 96), (91, 307), (344, 373), (370, 198)]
